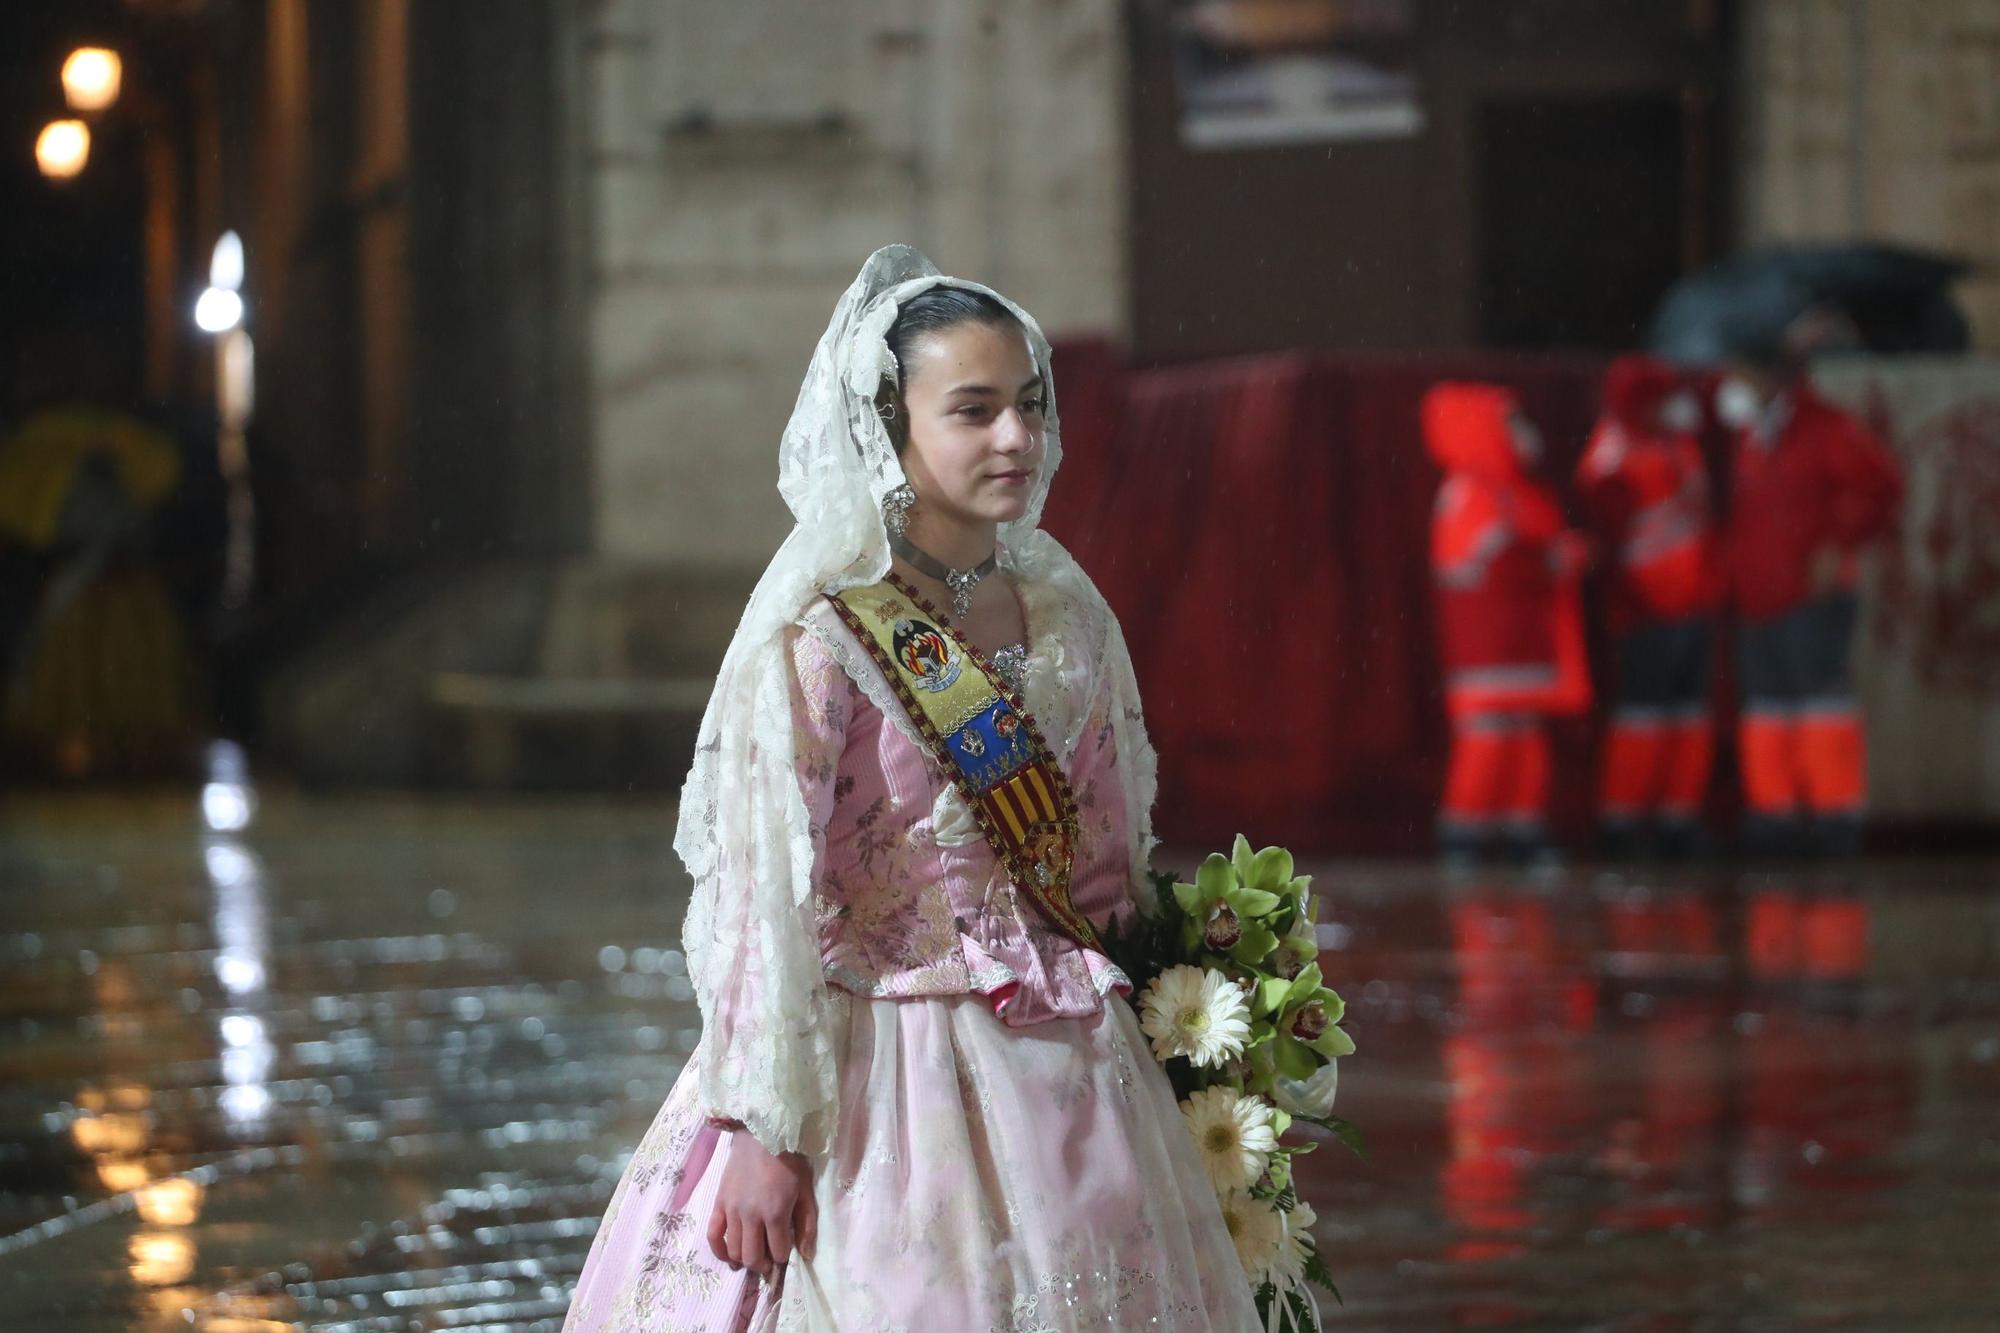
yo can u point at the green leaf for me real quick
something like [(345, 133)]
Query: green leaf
[(1271, 992), (1240, 856), (1320, 1275), (1340, 1129), (1188, 896), (1281, 1120), (1336, 1008), (1304, 986)]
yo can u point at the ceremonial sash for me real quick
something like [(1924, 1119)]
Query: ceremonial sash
[(974, 724)]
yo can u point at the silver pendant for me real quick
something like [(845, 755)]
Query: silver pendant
[(1012, 664), (962, 582)]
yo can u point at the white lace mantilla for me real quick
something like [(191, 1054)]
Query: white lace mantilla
[(744, 834)]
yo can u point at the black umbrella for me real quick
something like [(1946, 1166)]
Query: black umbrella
[(1759, 306)]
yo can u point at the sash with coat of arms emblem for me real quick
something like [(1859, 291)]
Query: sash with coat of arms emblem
[(974, 724)]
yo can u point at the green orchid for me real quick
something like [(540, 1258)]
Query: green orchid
[(1302, 1017), (1248, 917), (1269, 870), (1298, 944), (1229, 913)]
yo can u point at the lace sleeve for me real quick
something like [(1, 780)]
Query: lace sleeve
[(1112, 765), (766, 1055), (1139, 766)]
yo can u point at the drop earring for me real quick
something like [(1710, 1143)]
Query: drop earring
[(896, 507)]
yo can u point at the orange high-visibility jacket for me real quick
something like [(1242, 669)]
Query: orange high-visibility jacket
[(1648, 494), (1503, 566)]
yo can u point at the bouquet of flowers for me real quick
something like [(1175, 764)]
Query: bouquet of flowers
[(1231, 996)]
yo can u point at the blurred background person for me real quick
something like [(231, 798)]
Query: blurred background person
[(99, 679), (1505, 571), (1811, 488), (1645, 484)]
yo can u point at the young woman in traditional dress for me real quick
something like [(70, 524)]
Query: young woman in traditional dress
[(920, 792)]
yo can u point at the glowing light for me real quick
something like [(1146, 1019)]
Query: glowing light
[(173, 1202), (119, 1132), (239, 975), (120, 1174), (161, 1258), (247, 1057), (236, 380), (218, 310), (241, 931), (91, 78), (245, 1106), (229, 865), (62, 149), (225, 265), (227, 806)]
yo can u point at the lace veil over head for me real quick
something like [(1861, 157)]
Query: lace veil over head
[(770, 1023)]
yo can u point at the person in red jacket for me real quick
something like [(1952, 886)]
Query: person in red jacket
[(1505, 572), (1810, 488), (1645, 483)]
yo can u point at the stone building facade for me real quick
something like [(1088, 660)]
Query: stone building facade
[(1878, 119), (744, 159)]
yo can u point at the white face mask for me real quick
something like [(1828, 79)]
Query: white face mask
[(1738, 403), (1681, 414)]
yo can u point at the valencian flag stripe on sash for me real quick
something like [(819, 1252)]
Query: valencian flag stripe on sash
[(975, 726)]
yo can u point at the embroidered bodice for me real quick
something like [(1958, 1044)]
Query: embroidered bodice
[(909, 897)]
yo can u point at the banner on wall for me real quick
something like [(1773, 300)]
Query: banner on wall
[(1928, 664), (1256, 73)]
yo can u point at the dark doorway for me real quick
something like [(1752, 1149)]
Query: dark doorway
[(1582, 218)]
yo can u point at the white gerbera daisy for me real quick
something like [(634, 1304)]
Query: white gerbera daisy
[(1257, 1230), (1234, 1134), (1288, 1265), (1195, 1012)]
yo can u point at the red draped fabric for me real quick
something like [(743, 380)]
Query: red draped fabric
[(1261, 527)]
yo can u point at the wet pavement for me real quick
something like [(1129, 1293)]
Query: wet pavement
[(372, 1064)]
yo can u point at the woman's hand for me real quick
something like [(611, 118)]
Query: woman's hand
[(764, 1208)]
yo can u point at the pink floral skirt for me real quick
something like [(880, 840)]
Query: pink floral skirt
[(982, 1177)]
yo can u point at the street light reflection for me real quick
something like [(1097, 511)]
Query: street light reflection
[(243, 941), (173, 1202), (161, 1258)]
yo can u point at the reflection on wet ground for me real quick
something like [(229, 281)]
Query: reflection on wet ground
[(371, 1066)]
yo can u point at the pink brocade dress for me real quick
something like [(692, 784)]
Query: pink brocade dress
[(1007, 1155)]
